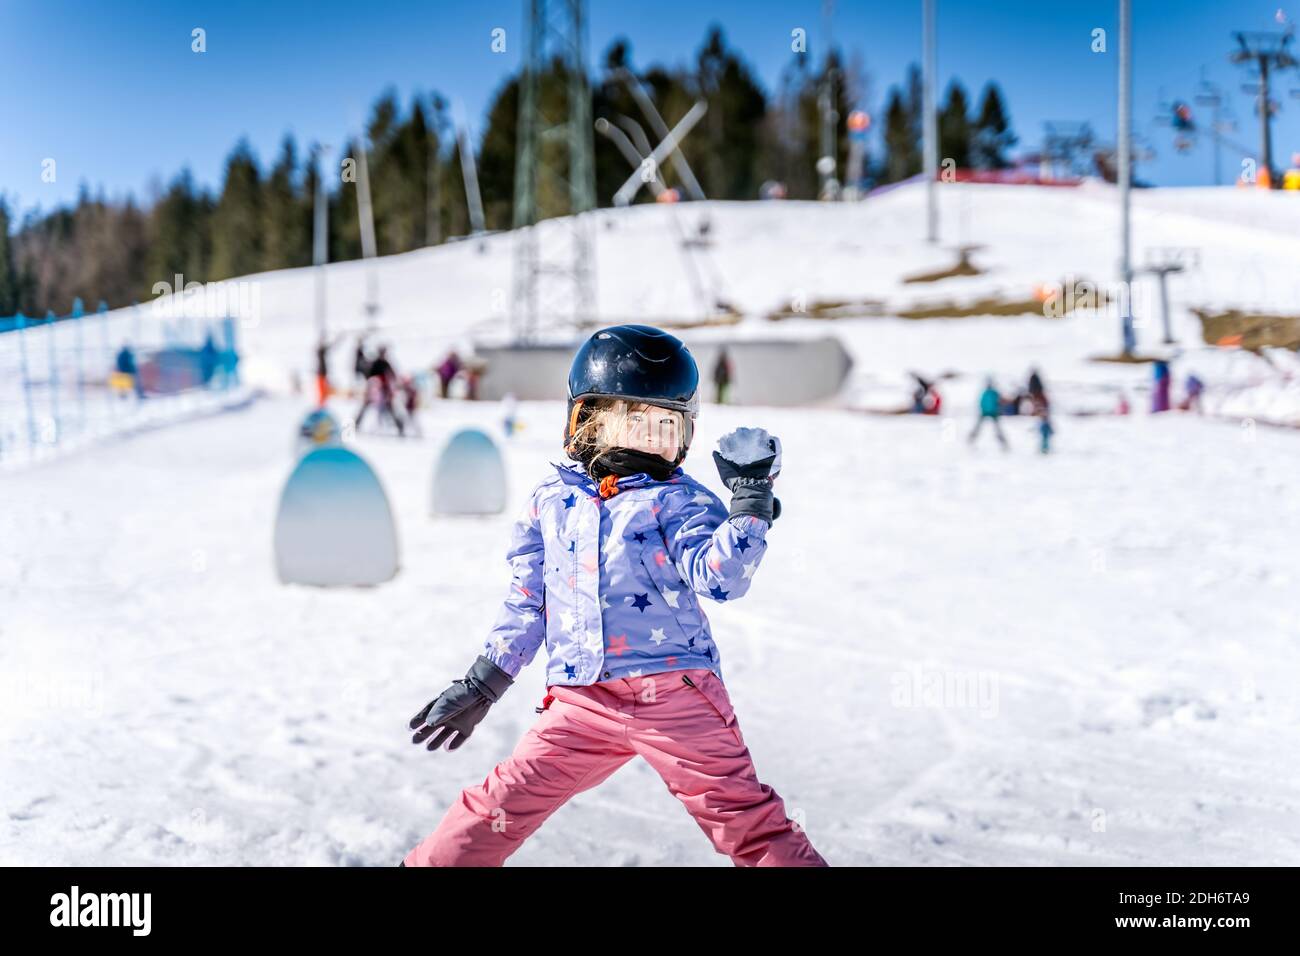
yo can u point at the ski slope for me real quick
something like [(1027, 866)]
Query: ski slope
[(950, 655), (1241, 245)]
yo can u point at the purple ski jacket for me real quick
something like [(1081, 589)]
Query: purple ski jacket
[(613, 585)]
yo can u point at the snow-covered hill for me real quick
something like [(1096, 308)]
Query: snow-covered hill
[(1242, 247), (950, 655)]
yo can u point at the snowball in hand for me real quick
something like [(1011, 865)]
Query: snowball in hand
[(744, 446)]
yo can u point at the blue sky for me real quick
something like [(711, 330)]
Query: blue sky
[(113, 93)]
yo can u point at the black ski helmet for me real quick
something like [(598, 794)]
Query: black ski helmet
[(637, 363)]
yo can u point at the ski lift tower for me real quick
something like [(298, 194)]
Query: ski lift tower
[(1266, 52), (553, 283)]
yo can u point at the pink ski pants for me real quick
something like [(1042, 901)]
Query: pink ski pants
[(686, 731)]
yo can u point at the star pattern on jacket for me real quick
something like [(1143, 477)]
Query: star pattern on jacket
[(606, 562)]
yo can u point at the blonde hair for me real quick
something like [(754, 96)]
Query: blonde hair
[(607, 422)]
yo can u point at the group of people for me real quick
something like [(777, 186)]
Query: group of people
[(993, 405), (175, 368), (394, 396)]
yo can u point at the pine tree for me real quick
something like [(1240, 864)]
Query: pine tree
[(286, 230), (439, 140), (903, 134), (496, 162), (955, 127), (733, 125), (345, 208), (237, 219), (784, 133), (992, 135), (8, 272), (390, 178), (179, 236)]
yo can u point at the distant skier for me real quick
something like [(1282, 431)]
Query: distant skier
[(722, 373), (1160, 387), (361, 361), (323, 389), (473, 370), (1042, 410), (125, 365), (1192, 403), (925, 397), (1035, 387), (633, 668), (447, 371), (207, 360), (990, 409), (380, 389), (410, 394), (510, 414)]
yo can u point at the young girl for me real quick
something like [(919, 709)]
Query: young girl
[(611, 560)]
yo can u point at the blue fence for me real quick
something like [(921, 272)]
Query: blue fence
[(66, 378)]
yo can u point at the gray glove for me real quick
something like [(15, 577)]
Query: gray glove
[(748, 460), (460, 707)]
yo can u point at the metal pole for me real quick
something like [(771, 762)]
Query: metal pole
[(111, 357), (27, 381), (1267, 125), (826, 103), (1164, 305), (930, 123), (367, 217), (320, 239), (433, 176), (53, 379), (469, 172), (1125, 173), (81, 373)]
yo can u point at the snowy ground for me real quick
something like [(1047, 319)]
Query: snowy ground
[(950, 656)]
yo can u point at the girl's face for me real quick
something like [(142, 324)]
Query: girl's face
[(650, 429)]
